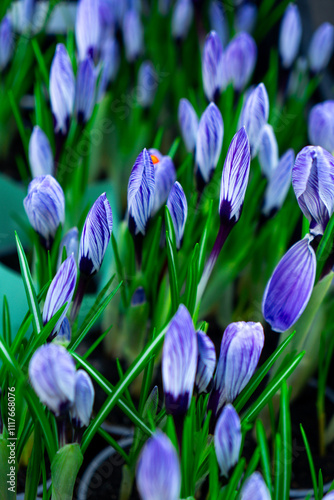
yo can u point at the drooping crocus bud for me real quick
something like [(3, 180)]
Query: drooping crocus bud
[(188, 122), (52, 375), (245, 18), (218, 22), (6, 42), (95, 236), (240, 351), (165, 176), (321, 47), (62, 89), (313, 181), (255, 488), (206, 362), (290, 286), (132, 35), (239, 60), (321, 125), (158, 473), (141, 189), (212, 66), (279, 184), (88, 29), (147, 84), (40, 153), (71, 243), (64, 335), (178, 209), (179, 362), (255, 115), (268, 151), (227, 439), (208, 143), (182, 17), (290, 35), (82, 408), (45, 206), (85, 90), (110, 59)]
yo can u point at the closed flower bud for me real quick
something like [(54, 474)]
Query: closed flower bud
[(279, 184), (321, 47), (132, 35), (85, 91), (95, 236), (218, 22), (212, 66), (255, 488), (82, 408), (6, 42), (71, 243), (147, 84), (227, 439), (254, 116), (268, 151), (62, 89), (88, 29), (110, 59), (209, 142), (182, 17), (206, 362), (239, 60), (141, 190), (321, 125), (158, 473), (40, 153), (313, 183), (52, 375), (290, 286), (188, 122), (245, 18), (178, 209), (45, 206), (165, 176), (179, 362), (290, 35), (64, 334), (164, 7)]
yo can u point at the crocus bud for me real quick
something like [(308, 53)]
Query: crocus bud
[(85, 91), (321, 47), (182, 17), (40, 153), (206, 362), (178, 209), (164, 6), (212, 66), (179, 362), (255, 488), (88, 29), (290, 286), (209, 143), (60, 292), (245, 18), (279, 184), (82, 408), (240, 351), (52, 375), (95, 236), (62, 89), (71, 243), (110, 58), (268, 151), (45, 206), (165, 176), (147, 84), (313, 181), (227, 439), (234, 178), (321, 125), (158, 473), (132, 35), (218, 22), (188, 122), (239, 60), (290, 35), (255, 115), (141, 189), (6, 42), (64, 334)]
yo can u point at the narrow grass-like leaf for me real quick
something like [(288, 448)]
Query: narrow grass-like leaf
[(41, 61), (112, 442), (325, 247), (6, 322), (174, 286), (264, 450), (285, 431), (311, 463), (96, 343), (174, 148), (277, 472), (119, 268), (192, 281), (34, 465)]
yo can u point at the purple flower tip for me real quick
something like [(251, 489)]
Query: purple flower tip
[(206, 362), (40, 153), (212, 66), (321, 125), (255, 488), (178, 209), (227, 439), (188, 122), (62, 88), (290, 35), (83, 400)]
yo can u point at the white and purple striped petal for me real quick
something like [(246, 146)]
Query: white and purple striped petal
[(255, 488), (206, 362), (209, 142), (268, 151), (290, 35), (279, 183), (6, 42), (88, 29), (165, 176), (71, 243), (178, 209), (218, 21), (85, 90), (212, 66), (254, 116), (182, 17), (82, 407), (239, 60), (62, 88), (321, 125), (321, 47), (188, 122), (40, 153), (132, 35), (227, 439)]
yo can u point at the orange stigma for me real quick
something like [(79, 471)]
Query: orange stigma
[(155, 159)]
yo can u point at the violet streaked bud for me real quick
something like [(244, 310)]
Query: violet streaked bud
[(132, 35), (6, 42), (290, 286), (165, 176), (234, 179), (255, 488), (290, 35), (64, 334), (179, 362), (71, 243), (82, 408), (239, 60), (212, 66), (206, 362), (313, 183), (178, 209), (321, 47), (254, 116), (268, 151), (158, 473), (88, 29), (188, 122), (182, 17), (321, 125), (95, 236), (218, 22), (279, 184), (227, 439), (110, 58), (245, 18), (147, 84), (209, 142), (62, 89), (45, 206), (85, 90), (141, 189), (40, 153), (52, 375)]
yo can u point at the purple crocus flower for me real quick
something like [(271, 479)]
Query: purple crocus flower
[(132, 35), (321, 125), (313, 181), (218, 22), (40, 153), (290, 286), (71, 243), (88, 29), (85, 90), (52, 375), (6, 42), (182, 17), (62, 89), (239, 60), (279, 184), (82, 408), (179, 362), (321, 47), (255, 488), (45, 206), (188, 122), (110, 59), (95, 236), (254, 116), (206, 362), (147, 84), (212, 66), (268, 151), (158, 473), (245, 18), (64, 334), (290, 35), (227, 439), (178, 209), (165, 176)]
